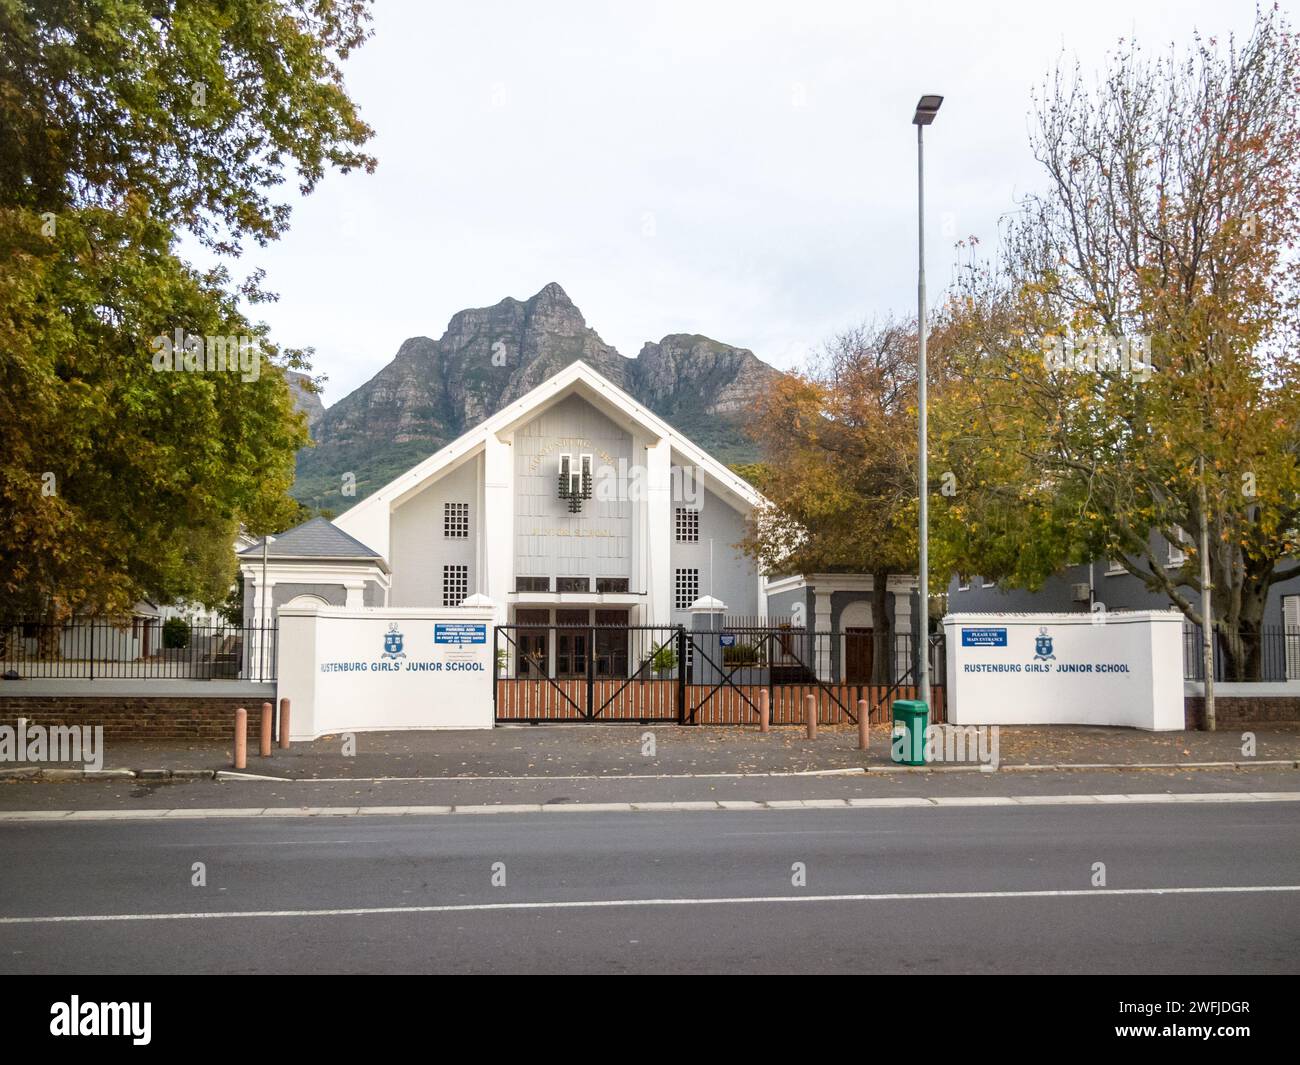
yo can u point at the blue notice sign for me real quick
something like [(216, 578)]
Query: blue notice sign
[(727, 639), (459, 632), (984, 637)]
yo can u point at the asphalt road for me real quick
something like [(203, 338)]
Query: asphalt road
[(988, 889)]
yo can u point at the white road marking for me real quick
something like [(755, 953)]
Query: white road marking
[(712, 805), (595, 904)]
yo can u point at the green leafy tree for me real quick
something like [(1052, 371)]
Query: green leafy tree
[(121, 126)]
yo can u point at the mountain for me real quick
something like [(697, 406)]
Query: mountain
[(435, 390), (305, 401)]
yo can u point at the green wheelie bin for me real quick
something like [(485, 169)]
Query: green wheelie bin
[(911, 719)]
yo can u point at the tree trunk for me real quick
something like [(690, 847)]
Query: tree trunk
[(49, 646), (882, 629), (1243, 650)]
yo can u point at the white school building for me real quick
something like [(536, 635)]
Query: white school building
[(574, 505)]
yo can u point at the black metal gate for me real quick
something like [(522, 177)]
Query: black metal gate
[(575, 673)]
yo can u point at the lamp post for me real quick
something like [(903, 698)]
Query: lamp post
[(926, 110)]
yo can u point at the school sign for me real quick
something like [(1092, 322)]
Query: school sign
[(1117, 668), (356, 669)]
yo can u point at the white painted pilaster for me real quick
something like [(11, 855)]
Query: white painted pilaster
[(658, 546), (498, 524), (822, 624), (903, 657)]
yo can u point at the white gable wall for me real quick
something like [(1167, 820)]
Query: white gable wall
[(734, 576), (419, 548), (550, 541)]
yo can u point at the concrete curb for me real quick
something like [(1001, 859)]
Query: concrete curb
[(710, 806), (62, 774)]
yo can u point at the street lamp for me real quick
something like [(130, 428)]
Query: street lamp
[(926, 110)]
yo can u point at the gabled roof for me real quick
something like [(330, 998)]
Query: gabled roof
[(576, 378), (317, 538)]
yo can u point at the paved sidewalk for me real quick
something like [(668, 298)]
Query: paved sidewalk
[(600, 751)]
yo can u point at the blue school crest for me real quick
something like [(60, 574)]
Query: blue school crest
[(393, 643), (1043, 646)]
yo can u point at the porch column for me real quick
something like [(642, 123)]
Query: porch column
[(822, 624)]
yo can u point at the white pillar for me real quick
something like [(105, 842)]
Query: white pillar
[(498, 524), (657, 552), (356, 594), (822, 624), (902, 627)]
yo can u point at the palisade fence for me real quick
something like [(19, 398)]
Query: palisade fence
[(1276, 656), (95, 649), (629, 673)]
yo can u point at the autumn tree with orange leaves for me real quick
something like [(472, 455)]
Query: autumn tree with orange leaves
[(1168, 232), (839, 467)]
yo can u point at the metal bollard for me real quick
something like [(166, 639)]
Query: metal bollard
[(241, 738), (811, 715), (864, 725), (284, 724), (764, 710), (265, 748)]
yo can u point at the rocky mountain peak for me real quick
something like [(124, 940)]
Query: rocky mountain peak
[(435, 390)]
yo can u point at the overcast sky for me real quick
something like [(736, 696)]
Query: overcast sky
[(742, 170)]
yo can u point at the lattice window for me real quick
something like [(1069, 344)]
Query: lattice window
[(687, 587), (687, 521), (455, 585), (455, 521)]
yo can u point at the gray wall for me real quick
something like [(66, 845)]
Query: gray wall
[(1121, 591), (735, 578)]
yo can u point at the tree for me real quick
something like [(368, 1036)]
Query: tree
[(1163, 238), (123, 474), (839, 467)]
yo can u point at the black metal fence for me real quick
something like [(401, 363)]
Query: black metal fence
[(1271, 655), (139, 649), (669, 673)]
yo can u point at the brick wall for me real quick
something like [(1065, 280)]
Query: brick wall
[(144, 717), (1231, 711)]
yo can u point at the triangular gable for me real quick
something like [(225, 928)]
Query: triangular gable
[(577, 378)]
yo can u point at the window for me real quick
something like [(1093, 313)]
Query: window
[(455, 521), (573, 584), (1114, 568), (611, 643), (572, 644), (532, 584), (687, 587), (606, 585), (963, 584), (687, 524), (531, 644), (1177, 556), (1291, 634), (455, 585)]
